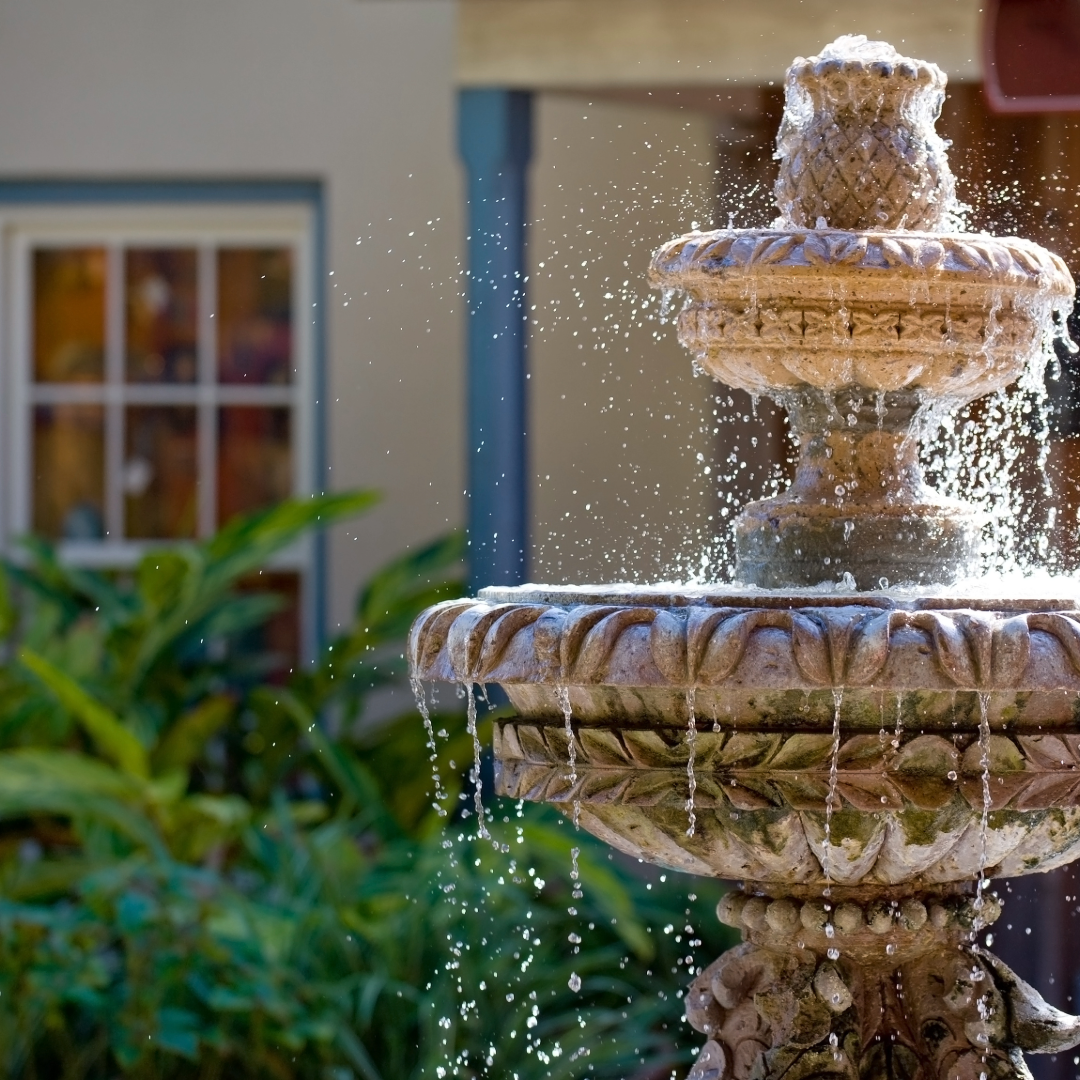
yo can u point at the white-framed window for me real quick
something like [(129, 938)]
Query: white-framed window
[(159, 376)]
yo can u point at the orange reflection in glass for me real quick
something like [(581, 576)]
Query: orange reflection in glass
[(69, 314), (254, 316), (160, 301), (160, 472), (69, 472), (255, 467)]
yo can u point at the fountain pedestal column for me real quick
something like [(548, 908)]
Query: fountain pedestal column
[(858, 504), (886, 986)]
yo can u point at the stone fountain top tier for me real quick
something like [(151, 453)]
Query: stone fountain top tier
[(857, 146), (862, 314)]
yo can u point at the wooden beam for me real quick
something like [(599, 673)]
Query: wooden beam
[(550, 44)]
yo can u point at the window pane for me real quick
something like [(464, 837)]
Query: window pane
[(69, 472), (69, 314), (254, 315), (254, 459), (161, 329), (160, 470), (278, 639)]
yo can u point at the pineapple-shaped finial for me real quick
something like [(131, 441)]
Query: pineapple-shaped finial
[(857, 145)]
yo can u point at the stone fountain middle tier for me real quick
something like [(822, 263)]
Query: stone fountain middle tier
[(861, 762)]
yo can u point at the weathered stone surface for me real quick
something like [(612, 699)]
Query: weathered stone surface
[(724, 638), (868, 988), (760, 803), (857, 148)]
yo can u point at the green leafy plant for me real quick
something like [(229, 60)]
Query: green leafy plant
[(210, 867)]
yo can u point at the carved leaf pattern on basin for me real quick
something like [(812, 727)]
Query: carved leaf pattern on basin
[(699, 645), (982, 259), (760, 770)]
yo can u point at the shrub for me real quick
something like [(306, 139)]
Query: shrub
[(209, 867)]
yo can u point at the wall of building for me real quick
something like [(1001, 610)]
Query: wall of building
[(630, 448), (357, 94), (591, 43)]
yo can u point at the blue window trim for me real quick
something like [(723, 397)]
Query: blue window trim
[(90, 192)]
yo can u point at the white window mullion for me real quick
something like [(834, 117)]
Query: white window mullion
[(207, 426), (114, 383)]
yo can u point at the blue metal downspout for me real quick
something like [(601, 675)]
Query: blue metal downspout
[(495, 142)]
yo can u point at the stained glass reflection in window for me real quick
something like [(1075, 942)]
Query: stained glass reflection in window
[(160, 472), (254, 316), (255, 467), (160, 301), (69, 314), (69, 472)]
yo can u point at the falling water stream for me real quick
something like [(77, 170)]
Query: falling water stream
[(562, 693), (831, 799), (478, 785), (984, 765), (420, 695), (691, 746)]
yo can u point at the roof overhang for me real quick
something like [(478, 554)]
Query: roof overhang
[(614, 44)]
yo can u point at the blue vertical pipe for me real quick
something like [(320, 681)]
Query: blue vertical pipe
[(495, 142)]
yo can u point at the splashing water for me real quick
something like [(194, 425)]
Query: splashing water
[(984, 764), (831, 798), (478, 786), (691, 743), (422, 707)]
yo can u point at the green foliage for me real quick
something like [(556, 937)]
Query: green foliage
[(210, 867)]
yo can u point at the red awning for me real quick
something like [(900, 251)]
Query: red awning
[(1031, 55)]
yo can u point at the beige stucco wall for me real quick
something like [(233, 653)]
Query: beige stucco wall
[(617, 412), (358, 94)]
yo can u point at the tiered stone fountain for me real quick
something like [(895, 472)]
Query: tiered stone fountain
[(862, 761)]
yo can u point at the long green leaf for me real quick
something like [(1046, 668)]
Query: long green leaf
[(106, 730), (242, 546), (352, 779), (245, 543), (184, 741), (398, 591), (44, 782), (357, 1054)]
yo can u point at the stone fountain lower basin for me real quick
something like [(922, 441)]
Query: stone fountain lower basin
[(773, 679), (861, 763)]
